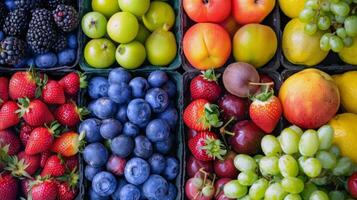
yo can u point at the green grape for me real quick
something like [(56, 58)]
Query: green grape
[(275, 191), (301, 161), (348, 1), (341, 8), (308, 190), (347, 41), (309, 143), (320, 180), (335, 150), (292, 185), (297, 129), (334, 1), (324, 23), (312, 167), (327, 159), (313, 4), (246, 197), (307, 15), (269, 165), (336, 195), (325, 5), (325, 134), (288, 166), (319, 195), (292, 197), (351, 25), (247, 178), (310, 28), (233, 189), (336, 43), (257, 190), (303, 178), (258, 157), (289, 141), (341, 32), (343, 167), (340, 19), (325, 42), (270, 145), (244, 163)]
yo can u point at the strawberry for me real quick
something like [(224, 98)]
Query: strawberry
[(32, 162), (206, 146), (41, 139), (35, 112), (266, 110), (72, 163), (25, 132), (200, 115), (8, 187), (54, 166), (53, 93), (24, 85), (68, 188), (205, 86), (44, 189), (8, 138), (68, 144), (44, 156), (4, 90), (72, 82), (8, 116), (69, 114)]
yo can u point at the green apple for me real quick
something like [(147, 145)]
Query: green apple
[(100, 53), (143, 34), (131, 55), (160, 14), (123, 27), (161, 47), (94, 25), (106, 7), (137, 7)]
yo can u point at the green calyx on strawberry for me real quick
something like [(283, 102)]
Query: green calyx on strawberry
[(214, 148), (266, 92), (82, 80), (206, 146), (72, 178), (210, 75), (17, 167), (40, 84), (211, 116)]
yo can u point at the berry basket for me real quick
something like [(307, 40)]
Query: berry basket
[(85, 6), (272, 20), (178, 142)]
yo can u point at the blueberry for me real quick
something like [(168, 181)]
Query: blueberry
[(121, 183), (139, 112), (2, 35), (139, 86), (91, 127), (131, 129), (72, 41), (119, 93), (136, 171), (157, 78), (98, 87), (121, 114), (104, 183), (104, 108), (122, 146), (157, 130), (143, 147), (164, 147), (170, 88), (95, 154), (119, 75), (46, 60), (130, 192), (116, 165), (110, 128), (67, 57), (90, 172), (157, 163), (172, 193), (172, 168), (158, 99), (170, 115), (30, 62), (94, 196), (155, 187), (10, 5)]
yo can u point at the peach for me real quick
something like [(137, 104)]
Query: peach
[(310, 98)]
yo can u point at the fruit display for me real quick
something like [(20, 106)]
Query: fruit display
[(225, 31), (41, 34), (129, 34), (131, 134), (39, 145)]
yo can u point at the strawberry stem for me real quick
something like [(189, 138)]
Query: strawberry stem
[(210, 75), (82, 80), (211, 117), (214, 148)]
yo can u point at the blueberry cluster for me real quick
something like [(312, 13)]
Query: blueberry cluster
[(130, 137)]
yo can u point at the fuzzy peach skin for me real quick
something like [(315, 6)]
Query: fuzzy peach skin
[(310, 98), (206, 46), (252, 11)]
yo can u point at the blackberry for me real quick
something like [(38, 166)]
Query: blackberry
[(3, 13), (66, 17), (12, 50), (52, 4), (60, 43), (28, 4), (16, 23), (41, 33)]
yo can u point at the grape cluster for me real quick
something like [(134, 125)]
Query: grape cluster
[(295, 165), (338, 18)]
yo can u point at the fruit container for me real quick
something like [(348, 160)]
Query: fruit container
[(331, 62), (272, 20), (85, 7), (177, 78)]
